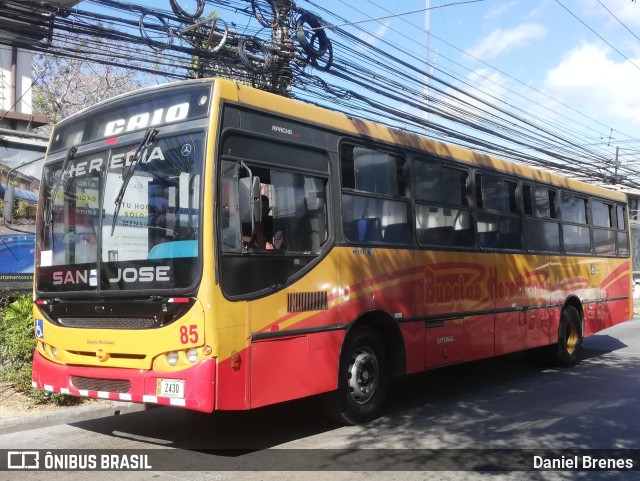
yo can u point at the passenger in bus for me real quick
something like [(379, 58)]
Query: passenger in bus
[(263, 234)]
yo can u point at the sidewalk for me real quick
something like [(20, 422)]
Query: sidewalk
[(71, 414)]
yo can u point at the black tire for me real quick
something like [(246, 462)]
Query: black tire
[(567, 351), (363, 379)]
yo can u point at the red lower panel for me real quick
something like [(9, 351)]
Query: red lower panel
[(199, 382), (414, 347), (554, 324), (607, 314), (478, 337), (538, 322), (294, 367), (444, 342), (233, 383), (511, 332)]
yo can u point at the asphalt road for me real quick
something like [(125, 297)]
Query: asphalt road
[(435, 420)]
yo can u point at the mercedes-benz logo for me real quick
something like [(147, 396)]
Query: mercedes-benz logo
[(186, 150)]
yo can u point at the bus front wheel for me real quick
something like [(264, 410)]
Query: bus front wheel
[(569, 347), (363, 379)]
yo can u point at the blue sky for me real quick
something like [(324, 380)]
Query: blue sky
[(539, 44), (546, 56)]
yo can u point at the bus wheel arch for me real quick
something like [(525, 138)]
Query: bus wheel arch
[(370, 355), (389, 331)]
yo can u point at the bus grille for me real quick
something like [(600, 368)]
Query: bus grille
[(106, 385), (109, 322), (307, 301)]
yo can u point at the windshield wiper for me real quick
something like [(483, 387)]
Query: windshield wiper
[(126, 176)]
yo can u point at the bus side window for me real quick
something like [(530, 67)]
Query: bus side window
[(498, 221), (542, 229), (576, 232), (443, 215), (374, 203)]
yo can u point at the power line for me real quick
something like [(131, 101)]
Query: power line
[(344, 73), (620, 21), (395, 15), (598, 35)]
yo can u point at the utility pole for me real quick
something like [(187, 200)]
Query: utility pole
[(427, 26), (282, 78)]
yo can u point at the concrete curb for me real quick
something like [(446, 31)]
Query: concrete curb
[(69, 415)]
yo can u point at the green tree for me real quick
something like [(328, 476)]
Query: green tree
[(17, 343), (63, 85)]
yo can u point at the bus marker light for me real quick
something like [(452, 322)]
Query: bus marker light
[(111, 140), (178, 300), (206, 350), (192, 355), (172, 358), (101, 355), (235, 360)]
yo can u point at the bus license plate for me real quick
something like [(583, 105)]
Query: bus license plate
[(173, 388)]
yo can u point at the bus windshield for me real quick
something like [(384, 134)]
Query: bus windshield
[(123, 218)]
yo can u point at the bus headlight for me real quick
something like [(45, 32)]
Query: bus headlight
[(172, 358), (192, 355), (54, 351)]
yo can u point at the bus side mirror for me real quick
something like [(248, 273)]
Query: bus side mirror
[(249, 199), (7, 210)]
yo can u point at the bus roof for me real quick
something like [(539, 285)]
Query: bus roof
[(320, 116)]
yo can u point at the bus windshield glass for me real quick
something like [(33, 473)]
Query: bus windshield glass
[(123, 218)]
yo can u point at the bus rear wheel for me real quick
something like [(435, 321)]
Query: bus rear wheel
[(567, 351), (363, 379)]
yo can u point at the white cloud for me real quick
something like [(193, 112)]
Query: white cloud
[(626, 11), (598, 85), (506, 40), (499, 9)]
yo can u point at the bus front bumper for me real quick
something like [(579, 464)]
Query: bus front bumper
[(191, 388)]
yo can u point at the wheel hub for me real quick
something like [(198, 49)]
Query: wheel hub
[(364, 375)]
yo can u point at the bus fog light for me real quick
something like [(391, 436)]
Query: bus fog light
[(206, 350), (192, 355), (172, 358)]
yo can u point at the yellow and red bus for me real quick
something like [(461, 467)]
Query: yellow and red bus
[(208, 245)]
